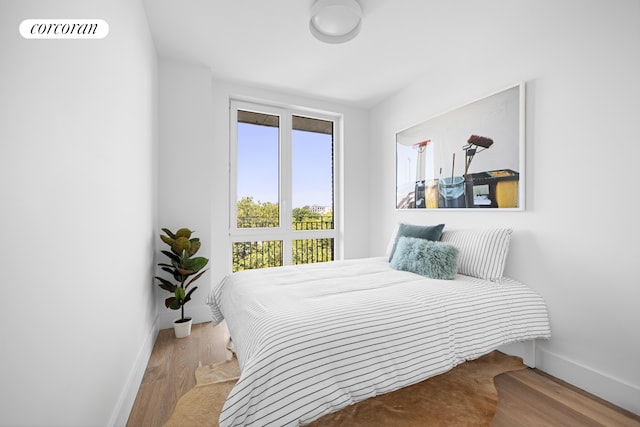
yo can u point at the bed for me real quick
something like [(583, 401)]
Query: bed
[(312, 339)]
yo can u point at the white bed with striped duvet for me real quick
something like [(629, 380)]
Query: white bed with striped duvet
[(315, 338)]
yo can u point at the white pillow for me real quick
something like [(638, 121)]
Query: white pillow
[(483, 253), (392, 241)]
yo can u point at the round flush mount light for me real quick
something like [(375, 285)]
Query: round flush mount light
[(335, 21)]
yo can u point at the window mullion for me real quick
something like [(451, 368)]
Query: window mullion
[(286, 186), (233, 165)]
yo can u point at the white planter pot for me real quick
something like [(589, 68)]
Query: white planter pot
[(182, 329)]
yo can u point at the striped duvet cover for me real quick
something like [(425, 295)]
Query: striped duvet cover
[(312, 339)]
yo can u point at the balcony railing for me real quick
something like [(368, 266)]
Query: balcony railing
[(260, 254), (261, 222), (250, 255), (312, 250)]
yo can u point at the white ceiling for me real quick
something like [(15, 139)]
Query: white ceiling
[(267, 43)]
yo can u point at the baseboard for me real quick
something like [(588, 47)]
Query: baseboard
[(120, 414), (611, 389), (524, 349)]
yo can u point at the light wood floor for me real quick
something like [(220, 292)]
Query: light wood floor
[(171, 369), (525, 398)]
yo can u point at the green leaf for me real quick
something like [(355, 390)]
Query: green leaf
[(195, 245), (187, 297), (183, 232), (169, 270), (170, 303), (171, 255), (196, 264), (180, 244), (179, 292), (168, 240), (169, 233), (195, 278), (185, 272), (167, 285), (174, 305), (177, 276)]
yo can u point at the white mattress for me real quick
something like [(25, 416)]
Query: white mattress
[(315, 338)]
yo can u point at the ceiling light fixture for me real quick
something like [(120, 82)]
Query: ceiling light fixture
[(335, 21)]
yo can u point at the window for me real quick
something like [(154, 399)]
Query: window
[(282, 186)]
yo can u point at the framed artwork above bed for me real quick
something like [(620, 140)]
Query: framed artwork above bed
[(472, 157)]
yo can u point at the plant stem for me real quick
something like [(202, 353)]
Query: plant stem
[(182, 302)]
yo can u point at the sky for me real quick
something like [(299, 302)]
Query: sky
[(258, 165)]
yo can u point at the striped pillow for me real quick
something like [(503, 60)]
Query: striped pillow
[(482, 252)]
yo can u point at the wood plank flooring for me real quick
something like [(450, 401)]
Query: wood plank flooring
[(171, 368), (525, 398), (534, 398)]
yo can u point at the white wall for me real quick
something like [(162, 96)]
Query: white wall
[(77, 191), (194, 145), (187, 164), (576, 242)]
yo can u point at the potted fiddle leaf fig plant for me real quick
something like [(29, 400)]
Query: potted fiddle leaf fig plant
[(184, 269)]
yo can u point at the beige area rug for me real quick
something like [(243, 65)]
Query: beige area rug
[(464, 396)]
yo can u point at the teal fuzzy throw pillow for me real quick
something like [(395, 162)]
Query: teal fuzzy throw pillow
[(435, 260)]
